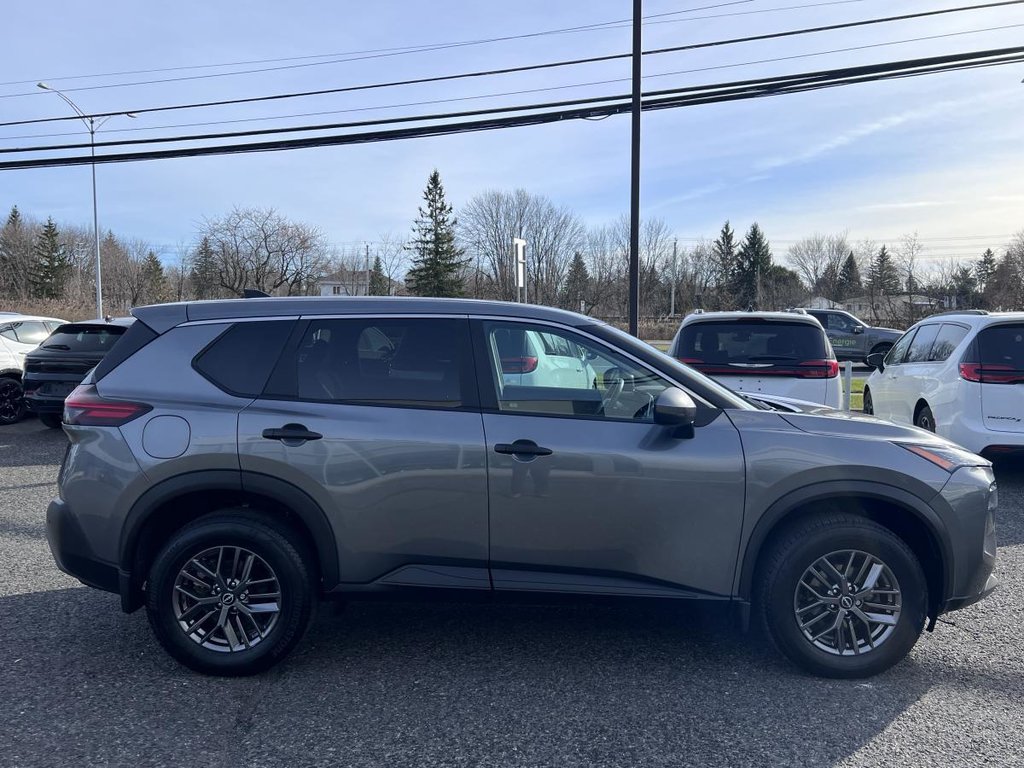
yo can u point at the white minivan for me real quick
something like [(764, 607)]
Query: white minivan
[(959, 374), (783, 354), (19, 335)]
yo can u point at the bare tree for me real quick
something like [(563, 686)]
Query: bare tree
[(818, 260)]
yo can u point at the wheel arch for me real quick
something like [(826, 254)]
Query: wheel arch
[(903, 513), (173, 503), (11, 373)]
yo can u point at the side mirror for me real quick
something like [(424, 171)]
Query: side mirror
[(858, 329), (876, 360), (674, 408)]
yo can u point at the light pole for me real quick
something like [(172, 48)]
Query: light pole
[(92, 125)]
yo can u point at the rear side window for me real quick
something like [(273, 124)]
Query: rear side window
[(417, 362), (85, 338), (137, 335), (240, 360), (1003, 346), (949, 338), (725, 343), (921, 346), (27, 332)]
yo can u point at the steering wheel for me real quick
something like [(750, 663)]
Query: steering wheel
[(611, 395)]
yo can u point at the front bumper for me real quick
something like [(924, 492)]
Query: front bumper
[(970, 522), (72, 553)]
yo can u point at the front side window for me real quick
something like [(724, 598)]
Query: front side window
[(899, 349), (837, 321), (921, 347), (554, 372), (378, 361)]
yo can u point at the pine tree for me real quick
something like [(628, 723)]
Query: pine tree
[(379, 283), (985, 269), (51, 264), (153, 280), (577, 283), (884, 277), (205, 272), (723, 250), (849, 283), (753, 265), (437, 262), (13, 248)]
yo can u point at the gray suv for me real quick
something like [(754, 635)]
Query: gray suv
[(853, 339), (232, 462)]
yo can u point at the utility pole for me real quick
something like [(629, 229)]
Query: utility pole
[(634, 187), (672, 296)]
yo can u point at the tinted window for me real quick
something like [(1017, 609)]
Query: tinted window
[(1002, 345), (591, 380), (899, 349), (27, 332), (723, 343), (241, 358), (949, 338), (378, 361), (84, 338), (921, 346), (840, 322)]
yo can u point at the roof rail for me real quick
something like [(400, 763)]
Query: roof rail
[(961, 312)]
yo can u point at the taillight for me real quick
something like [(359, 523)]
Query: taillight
[(690, 360), (988, 373), (818, 369), (518, 364), (85, 408)]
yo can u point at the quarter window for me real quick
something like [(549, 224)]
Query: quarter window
[(921, 347), (554, 372), (240, 359), (26, 332)]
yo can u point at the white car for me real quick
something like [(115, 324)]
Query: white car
[(19, 335), (959, 374), (535, 359), (780, 354)]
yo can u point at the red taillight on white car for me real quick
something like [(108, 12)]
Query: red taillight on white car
[(988, 373), (518, 364), (819, 369), (85, 408)]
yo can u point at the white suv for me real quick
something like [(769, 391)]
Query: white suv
[(19, 335), (780, 354), (960, 374)]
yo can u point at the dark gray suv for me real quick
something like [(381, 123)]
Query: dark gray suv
[(232, 462), (853, 339)]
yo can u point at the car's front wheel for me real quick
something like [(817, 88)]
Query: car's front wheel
[(925, 419), (841, 596), (231, 594), (869, 404), (12, 401)]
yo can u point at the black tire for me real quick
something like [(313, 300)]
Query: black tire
[(275, 548), (784, 571), (12, 401), (924, 418), (869, 404), (51, 420)]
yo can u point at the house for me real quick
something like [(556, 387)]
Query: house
[(820, 302), (353, 282), (894, 309)]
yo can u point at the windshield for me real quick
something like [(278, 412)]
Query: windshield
[(84, 338)]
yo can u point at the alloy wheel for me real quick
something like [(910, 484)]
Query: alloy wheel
[(227, 599), (847, 603)]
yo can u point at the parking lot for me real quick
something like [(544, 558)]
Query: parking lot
[(81, 683)]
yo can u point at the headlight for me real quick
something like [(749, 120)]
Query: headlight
[(946, 457)]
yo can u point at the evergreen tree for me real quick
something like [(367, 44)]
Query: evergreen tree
[(153, 281), (577, 283), (753, 265), (985, 270), (51, 264), (205, 271), (884, 277), (723, 251), (11, 237), (849, 283), (379, 283), (437, 262)]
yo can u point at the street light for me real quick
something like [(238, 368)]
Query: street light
[(92, 125)]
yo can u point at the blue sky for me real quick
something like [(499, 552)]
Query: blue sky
[(940, 155)]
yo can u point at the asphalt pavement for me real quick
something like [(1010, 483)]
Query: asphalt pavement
[(482, 685)]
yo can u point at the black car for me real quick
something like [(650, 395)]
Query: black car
[(59, 364)]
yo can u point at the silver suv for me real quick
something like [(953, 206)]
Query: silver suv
[(231, 462)]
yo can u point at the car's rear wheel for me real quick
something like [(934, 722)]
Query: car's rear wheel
[(231, 594), (12, 401), (51, 420), (869, 404), (841, 596), (924, 418)]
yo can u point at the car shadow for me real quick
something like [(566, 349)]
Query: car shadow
[(29, 443), (433, 683)]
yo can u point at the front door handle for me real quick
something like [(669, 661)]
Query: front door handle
[(291, 434), (522, 448)]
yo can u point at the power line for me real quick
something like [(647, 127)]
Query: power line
[(508, 93), (525, 68), (797, 83), (387, 53)]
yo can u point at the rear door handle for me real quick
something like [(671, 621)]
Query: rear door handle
[(522, 448), (291, 434)]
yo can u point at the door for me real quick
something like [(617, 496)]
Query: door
[(1001, 372), (887, 392), (588, 495), (377, 420), (848, 344)]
